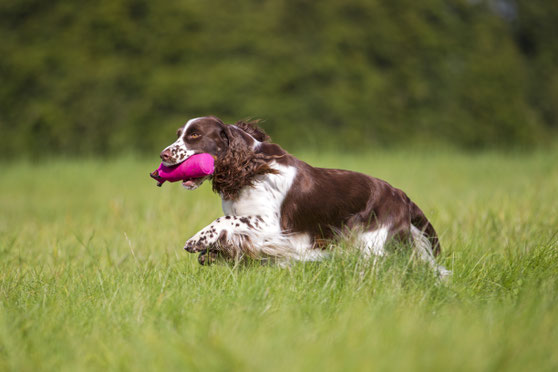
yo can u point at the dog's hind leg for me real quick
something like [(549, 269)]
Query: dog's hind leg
[(372, 243)]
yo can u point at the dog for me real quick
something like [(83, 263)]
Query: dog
[(280, 208)]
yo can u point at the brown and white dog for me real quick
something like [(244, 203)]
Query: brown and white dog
[(278, 207)]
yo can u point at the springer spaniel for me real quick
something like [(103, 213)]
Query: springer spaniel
[(278, 207)]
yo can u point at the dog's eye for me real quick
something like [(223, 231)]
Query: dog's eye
[(194, 135)]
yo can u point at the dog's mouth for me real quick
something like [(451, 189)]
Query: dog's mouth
[(190, 182), (192, 174), (193, 183)]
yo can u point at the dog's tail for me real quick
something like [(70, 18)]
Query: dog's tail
[(419, 220)]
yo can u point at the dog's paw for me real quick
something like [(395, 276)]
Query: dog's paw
[(204, 239), (195, 245), (207, 258)]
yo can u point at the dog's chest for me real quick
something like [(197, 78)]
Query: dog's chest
[(265, 197)]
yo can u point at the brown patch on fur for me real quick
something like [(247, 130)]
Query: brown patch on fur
[(246, 221), (323, 201)]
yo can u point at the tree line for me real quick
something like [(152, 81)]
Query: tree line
[(107, 76)]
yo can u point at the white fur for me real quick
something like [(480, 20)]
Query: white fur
[(266, 195), (423, 247), (373, 242)]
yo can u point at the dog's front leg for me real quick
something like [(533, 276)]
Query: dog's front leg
[(232, 236)]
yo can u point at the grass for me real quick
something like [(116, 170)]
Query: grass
[(93, 275)]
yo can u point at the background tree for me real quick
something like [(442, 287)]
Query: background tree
[(99, 77)]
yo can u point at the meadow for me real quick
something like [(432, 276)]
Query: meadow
[(93, 275)]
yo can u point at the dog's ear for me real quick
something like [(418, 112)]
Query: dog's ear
[(237, 166), (231, 141), (224, 141), (251, 127), (235, 146), (224, 135)]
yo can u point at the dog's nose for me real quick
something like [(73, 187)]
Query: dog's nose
[(166, 155)]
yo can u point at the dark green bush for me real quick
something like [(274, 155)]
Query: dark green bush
[(97, 77)]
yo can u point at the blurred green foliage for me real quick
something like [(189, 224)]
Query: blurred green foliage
[(99, 77)]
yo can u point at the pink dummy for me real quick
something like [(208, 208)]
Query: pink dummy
[(196, 166)]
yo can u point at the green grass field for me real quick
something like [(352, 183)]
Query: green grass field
[(93, 275)]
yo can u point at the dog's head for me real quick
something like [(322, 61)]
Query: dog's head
[(199, 135), (233, 147)]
